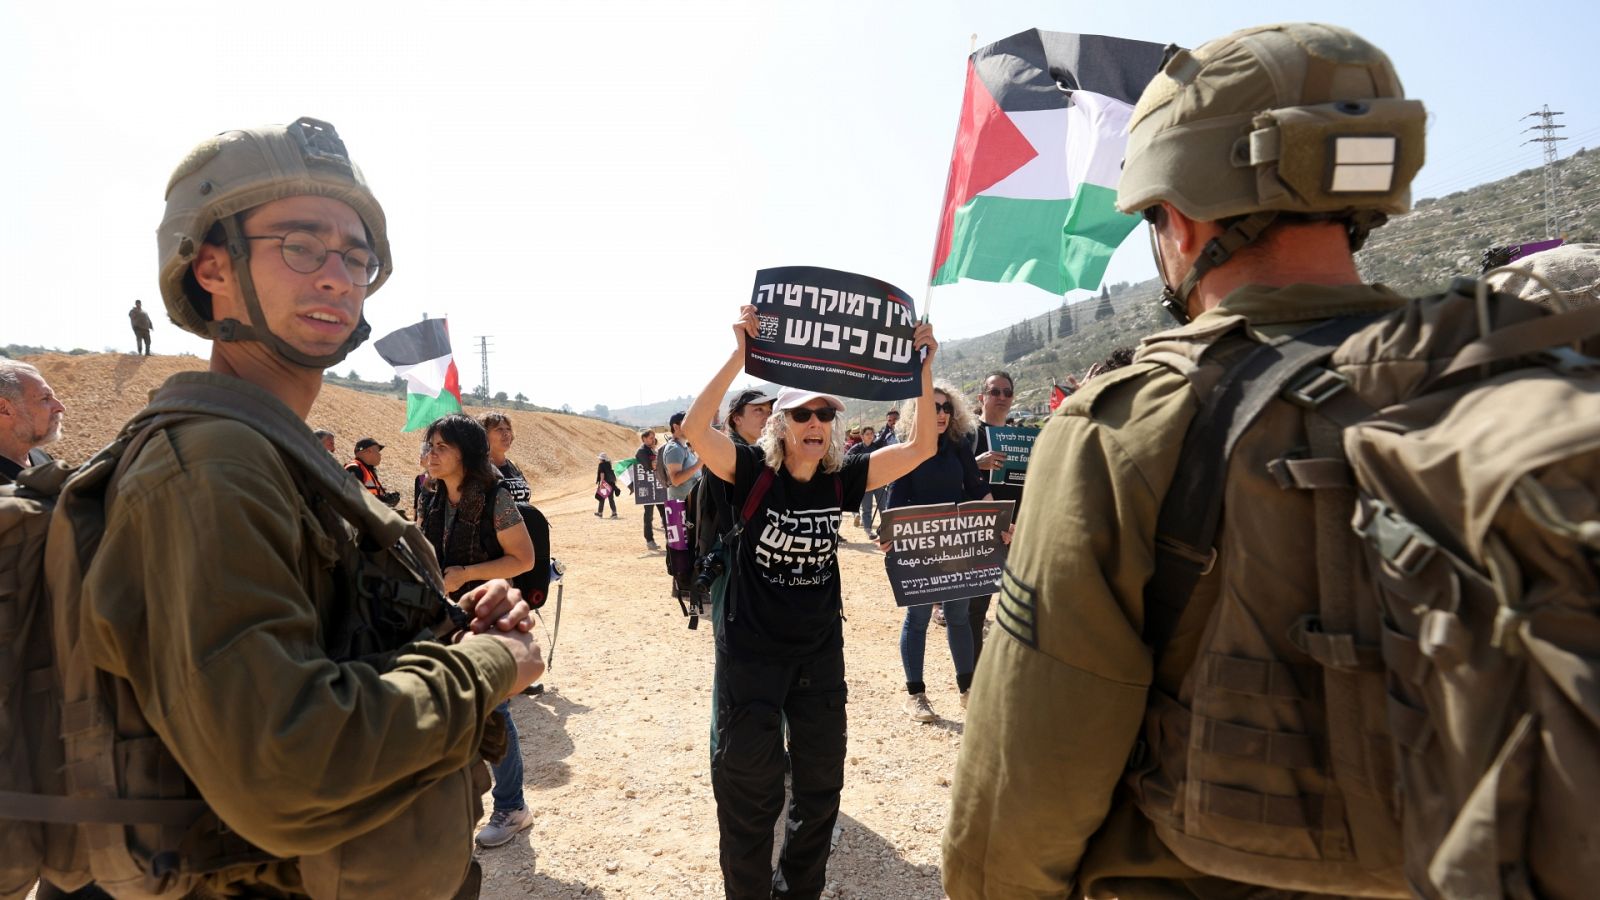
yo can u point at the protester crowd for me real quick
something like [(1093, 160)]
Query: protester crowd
[(1146, 717)]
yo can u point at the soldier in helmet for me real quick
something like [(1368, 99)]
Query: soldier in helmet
[(229, 609), (1261, 161)]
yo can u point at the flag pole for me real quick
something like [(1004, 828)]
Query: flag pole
[(927, 295)]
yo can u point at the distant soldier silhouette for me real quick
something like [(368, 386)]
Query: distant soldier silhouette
[(140, 320)]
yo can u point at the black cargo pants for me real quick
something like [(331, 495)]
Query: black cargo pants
[(747, 767)]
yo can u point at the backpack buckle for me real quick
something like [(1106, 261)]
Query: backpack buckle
[(1401, 544), (1568, 361), (1318, 387)]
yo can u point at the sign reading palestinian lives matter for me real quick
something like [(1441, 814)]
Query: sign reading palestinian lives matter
[(1017, 444), (945, 551), (834, 332), (647, 491)]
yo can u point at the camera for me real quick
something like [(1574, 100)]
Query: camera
[(390, 498), (708, 569)]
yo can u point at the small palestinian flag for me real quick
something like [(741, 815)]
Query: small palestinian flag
[(623, 469), (1058, 395), (421, 355), (1033, 179)]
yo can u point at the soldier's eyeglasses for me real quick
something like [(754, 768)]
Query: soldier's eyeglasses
[(1000, 392), (306, 253), (803, 415)]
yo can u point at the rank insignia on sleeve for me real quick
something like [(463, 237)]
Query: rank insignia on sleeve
[(1018, 613)]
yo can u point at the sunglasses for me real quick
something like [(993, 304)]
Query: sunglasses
[(948, 409), (1000, 392), (803, 415)]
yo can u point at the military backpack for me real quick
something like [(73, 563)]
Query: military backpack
[(1425, 720)]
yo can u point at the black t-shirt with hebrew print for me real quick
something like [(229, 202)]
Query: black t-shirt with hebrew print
[(783, 593)]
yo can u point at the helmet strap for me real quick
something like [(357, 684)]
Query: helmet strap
[(1217, 251), (234, 330)]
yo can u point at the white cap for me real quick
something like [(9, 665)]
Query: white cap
[(791, 398)]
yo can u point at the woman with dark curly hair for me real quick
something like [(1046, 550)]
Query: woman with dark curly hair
[(950, 476), (473, 523)]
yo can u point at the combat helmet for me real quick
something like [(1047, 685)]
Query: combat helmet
[(227, 175), (1302, 119)]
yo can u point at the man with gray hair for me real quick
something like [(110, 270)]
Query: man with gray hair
[(326, 437), (30, 417)]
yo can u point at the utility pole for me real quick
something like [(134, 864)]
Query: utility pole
[(1548, 127), (483, 354)]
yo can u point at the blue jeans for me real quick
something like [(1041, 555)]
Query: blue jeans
[(914, 637), (507, 791), (880, 495)]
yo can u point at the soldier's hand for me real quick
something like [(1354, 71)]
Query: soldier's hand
[(496, 606), (530, 660)]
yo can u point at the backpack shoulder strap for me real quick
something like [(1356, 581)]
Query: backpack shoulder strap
[(194, 394), (1186, 529), (487, 537), (758, 492), (190, 394)]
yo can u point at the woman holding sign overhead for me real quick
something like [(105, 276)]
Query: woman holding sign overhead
[(950, 476), (780, 645)]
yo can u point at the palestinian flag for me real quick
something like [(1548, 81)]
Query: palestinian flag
[(1033, 179), (1058, 395), (623, 469), (421, 355)]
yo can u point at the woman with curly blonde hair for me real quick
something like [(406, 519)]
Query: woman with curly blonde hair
[(780, 646), (949, 476)]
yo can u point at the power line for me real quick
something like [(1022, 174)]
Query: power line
[(1472, 172), (1427, 234), (1549, 138), (483, 354)]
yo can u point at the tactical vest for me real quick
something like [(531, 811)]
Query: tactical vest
[(112, 804), (1368, 646)]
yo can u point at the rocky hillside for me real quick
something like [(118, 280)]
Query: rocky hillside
[(103, 390), (1445, 236)]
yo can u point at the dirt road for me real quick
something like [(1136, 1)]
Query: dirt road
[(615, 751)]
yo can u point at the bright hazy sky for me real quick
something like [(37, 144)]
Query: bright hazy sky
[(595, 184)]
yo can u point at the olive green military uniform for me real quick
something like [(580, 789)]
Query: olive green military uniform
[(210, 600), (1039, 805)]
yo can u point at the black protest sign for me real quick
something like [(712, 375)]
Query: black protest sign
[(834, 332), (647, 491), (945, 551)]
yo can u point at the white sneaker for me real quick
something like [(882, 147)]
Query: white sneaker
[(964, 695), (918, 708), (503, 826)]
